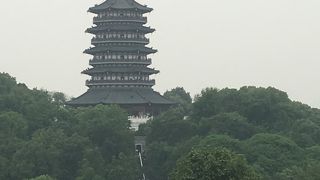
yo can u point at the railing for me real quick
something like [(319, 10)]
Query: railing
[(137, 120), (141, 165), (120, 18), (118, 82), (108, 40), (120, 61)]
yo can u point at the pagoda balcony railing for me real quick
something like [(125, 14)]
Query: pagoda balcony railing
[(120, 82), (111, 40), (120, 61), (140, 19)]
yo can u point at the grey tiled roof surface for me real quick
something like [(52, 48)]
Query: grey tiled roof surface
[(124, 96)]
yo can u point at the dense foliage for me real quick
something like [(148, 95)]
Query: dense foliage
[(219, 164), (278, 137), (42, 139), (250, 133), (181, 97)]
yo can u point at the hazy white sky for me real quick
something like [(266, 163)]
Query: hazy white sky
[(201, 43)]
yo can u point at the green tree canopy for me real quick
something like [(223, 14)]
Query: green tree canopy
[(171, 127), (213, 164), (231, 124), (272, 153), (108, 128), (180, 96), (43, 177)]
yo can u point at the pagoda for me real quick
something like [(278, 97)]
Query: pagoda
[(120, 72)]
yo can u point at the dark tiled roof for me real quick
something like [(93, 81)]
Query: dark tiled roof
[(119, 4), (98, 49), (120, 69), (120, 27), (120, 96)]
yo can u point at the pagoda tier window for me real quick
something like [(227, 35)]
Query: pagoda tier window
[(121, 22), (120, 57), (96, 77), (99, 57), (121, 35), (120, 13), (120, 77), (101, 15)]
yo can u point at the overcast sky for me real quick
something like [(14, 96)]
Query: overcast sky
[(201, 43)]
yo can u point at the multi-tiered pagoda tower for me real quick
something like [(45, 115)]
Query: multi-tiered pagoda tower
[(120, 72)]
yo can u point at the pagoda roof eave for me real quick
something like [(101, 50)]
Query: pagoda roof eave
[(98, 10), (120, 70), (98, 49), (117, 27), (119, 5), (121, 96)]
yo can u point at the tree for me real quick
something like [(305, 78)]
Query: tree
[(271, 153), (306, 171), (231, 124), (124, 168), (313, 153), (92, 166), (213, 164), (265, 107), (43, 177), (170, 127), (220, 141), (157, 160), (12, 125), (59, 98), (108, 128), (50, 152), (7, 83), (213, 101), (180, 96), (4, 168), (305, 133)]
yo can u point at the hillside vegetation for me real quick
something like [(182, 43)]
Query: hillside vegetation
[(42, 139), (279, 138), (250, 133)]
